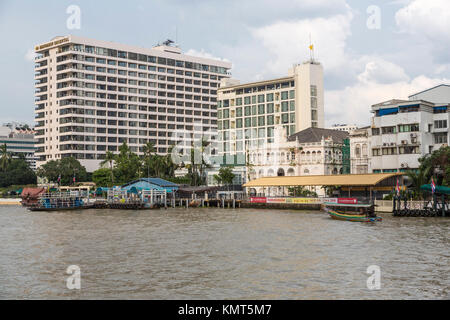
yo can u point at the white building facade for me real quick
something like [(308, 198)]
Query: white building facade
[(313, 151), (359, 150), (248, 113), (91, 96), (402, 131)]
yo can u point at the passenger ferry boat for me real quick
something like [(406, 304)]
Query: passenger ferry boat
[(57, 201), (352, 212)]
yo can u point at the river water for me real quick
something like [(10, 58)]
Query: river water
[(200, 253)]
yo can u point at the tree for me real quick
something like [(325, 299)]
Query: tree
[(225, 176), (101, 177), (436, 165), (109, 158), (18, 172), (149, 155), (68, 168), (5, 157), (128, 165)]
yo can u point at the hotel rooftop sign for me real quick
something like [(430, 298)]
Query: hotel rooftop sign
[(51, 44)]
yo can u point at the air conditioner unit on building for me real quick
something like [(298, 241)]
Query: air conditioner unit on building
[(404, 142), (413, 135), (402, 165), (385, 144), (392, 144)]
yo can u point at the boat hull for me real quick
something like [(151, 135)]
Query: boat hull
[(59, 209), (351, 217)]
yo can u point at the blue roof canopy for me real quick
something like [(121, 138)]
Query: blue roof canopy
[(151, 184)]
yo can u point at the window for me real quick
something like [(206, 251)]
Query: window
[(408, 150), (440, 124), (375, 131), (376, 152), (440, 138), (313, 91), (260, 98), (284, 95), (261, 109), (389, 151), (388, 130), (269, 97), (408, 127)]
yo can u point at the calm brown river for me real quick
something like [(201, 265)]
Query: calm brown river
[(219, 254)]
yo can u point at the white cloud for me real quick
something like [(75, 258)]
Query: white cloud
[(203, 54), (30, 55), (425, 17), (288, 41), (381, 71), (352, 104)]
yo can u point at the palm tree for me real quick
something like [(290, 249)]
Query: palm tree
[(5, 157), (149, 151), (109, 158)]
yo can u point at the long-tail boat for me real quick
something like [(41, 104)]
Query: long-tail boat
[(352, 212)]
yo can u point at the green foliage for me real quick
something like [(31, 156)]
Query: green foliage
[(198, 165), (17, 172), (127, 165), (436, 164), (225, 176), (5, 158), (301, 191), (66, 167), (102, 177), (180, 180), (109, 159)]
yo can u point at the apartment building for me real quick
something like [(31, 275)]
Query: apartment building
[(92, 95), (19, 141), (248, 113), (402, 131)]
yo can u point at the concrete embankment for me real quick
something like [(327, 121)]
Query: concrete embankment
[(10, 201)]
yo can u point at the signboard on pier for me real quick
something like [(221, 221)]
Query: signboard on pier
[(303, 200)]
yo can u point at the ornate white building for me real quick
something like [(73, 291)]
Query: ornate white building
[(313, 151), (359, 150)]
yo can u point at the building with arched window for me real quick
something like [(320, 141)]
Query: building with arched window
[(313, 151)]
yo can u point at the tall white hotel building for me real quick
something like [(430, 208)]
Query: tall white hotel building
[(91, 96)]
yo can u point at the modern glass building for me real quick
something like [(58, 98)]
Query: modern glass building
[(91, 96)]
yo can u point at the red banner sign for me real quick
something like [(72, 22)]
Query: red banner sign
[(258, 199), (348, 200)]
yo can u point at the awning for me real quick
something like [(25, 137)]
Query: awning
[(370, 179), (439, 189)]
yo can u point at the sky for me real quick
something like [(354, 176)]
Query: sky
[(371, 51)]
